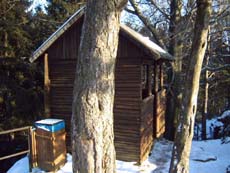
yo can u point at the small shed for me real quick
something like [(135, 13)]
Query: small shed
[(139, 103)]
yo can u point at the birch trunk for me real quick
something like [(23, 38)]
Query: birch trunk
[(184, 134), (92, 117)]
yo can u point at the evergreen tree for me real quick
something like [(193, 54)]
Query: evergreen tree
[(59, 11), (14, 38), (21, 82)]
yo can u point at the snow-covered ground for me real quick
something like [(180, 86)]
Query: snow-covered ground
[(211, 125), (206, 157)]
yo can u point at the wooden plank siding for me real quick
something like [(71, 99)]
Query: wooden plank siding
[(127, 111), (160, 112), (62, 63), (62, 74), (66, 47), (146, 129)]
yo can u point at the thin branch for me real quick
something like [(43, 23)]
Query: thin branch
[(220, 15), (147, 23), (49, 21), (224, 67), (5, 12), (130, 11), (159, 9)]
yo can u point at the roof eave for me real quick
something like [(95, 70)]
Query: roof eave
[(57, 34), (151, 48), (156, 52)]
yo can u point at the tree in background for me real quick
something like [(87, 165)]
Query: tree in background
[(59, 11), (174, 95), (21, 32), (214, 83), (92, 117), (14, 38), (21, 82), (21, 93), (46, 20), (184, 133)]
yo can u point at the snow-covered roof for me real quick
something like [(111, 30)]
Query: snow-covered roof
[(148, 45)]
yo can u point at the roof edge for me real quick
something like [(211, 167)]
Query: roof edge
[(152, 47), (41, 49), (156, 51)]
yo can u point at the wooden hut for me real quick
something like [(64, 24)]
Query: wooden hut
[(139, 96)]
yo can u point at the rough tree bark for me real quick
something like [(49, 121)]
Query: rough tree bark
[(92, 117), (174, 95), (206, 90), (205, 103), (206, 87), (184, 133)]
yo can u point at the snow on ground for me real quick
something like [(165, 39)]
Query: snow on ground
[(206, 157), (211, 124), (21, 166), (212, 149), (225, 114)]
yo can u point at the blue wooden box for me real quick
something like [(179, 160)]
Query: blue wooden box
[(50, 125)]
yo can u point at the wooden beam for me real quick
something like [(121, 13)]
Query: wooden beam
[(15, 130), (149, 80), (156, 78), (161, 76), (46, 87), (32, 148), (14, 155), (156, 85)]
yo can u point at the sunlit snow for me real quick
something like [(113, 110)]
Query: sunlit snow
[(206, 157)]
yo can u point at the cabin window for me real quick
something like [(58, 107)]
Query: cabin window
[(146, 81)]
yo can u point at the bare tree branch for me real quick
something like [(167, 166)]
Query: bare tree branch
[(224, 67), (130, 11), (147, 23), (159, 9)]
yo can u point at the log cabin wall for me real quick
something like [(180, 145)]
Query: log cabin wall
[(160, 113), (146, 129), (62, 56), (147, 108), (159, 101), (127, 101), (133, 115)]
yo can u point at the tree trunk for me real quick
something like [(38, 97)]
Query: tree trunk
[(175, 95), (5, 34), (92, 117), (5, 44), (184, 133), (205, 104)]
